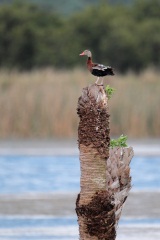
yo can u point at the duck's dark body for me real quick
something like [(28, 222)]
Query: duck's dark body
[(102, 73), (97, 69)]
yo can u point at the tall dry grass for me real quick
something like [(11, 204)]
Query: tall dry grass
[(42, 103)]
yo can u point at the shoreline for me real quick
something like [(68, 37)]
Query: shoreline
[(145, 147), (140, 204)]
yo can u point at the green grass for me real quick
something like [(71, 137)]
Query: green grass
[(43, 103)]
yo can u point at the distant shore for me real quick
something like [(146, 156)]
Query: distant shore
[(144, 147), (140, 204)]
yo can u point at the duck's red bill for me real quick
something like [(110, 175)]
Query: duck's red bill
[(81, 54)]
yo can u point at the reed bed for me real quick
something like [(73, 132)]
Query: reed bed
[(42, 103)]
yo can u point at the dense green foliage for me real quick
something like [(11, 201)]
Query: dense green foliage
[(125, 37)]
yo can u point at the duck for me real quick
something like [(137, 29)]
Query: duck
[(96, 69)]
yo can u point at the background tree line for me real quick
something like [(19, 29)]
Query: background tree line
[(124, 36), (69, 6)]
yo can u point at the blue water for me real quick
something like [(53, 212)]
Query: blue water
[(66, 228), (22, 174), (145, 172), (19, 174), (41, 221), (42, 174)]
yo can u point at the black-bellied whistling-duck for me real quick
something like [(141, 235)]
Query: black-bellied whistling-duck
[(96, 69)]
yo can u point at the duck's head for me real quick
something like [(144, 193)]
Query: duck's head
[(87, 53)]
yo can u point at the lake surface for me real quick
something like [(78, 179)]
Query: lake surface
[(22, 174), (24, 228)]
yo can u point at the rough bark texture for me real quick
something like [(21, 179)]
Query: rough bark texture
[(94, 119), (118, 177), (105, 173)]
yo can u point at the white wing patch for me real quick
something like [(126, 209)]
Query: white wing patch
[(100, 67)]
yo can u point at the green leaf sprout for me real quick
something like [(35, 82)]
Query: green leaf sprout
[(110, 91), (120, 142)]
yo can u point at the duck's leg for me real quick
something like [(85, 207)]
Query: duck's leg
[(100, 84), (97, 81)]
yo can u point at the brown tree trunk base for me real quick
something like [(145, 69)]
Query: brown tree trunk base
[(97, 218)]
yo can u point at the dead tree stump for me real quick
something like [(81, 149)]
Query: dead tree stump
[(105, 173)]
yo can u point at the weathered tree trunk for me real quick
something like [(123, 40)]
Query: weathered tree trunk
[(105, 173)]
